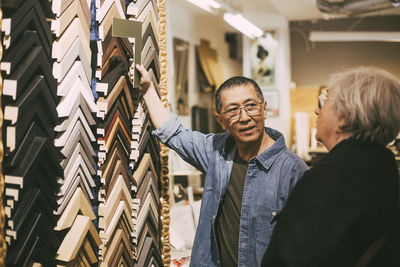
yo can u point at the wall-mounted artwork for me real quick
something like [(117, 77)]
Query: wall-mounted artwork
[(272, 99), (263, 59), (181, 56)]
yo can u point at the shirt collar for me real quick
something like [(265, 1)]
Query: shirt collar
[(267, 157)]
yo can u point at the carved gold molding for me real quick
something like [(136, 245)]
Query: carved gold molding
[(3, 246), (165, 220)]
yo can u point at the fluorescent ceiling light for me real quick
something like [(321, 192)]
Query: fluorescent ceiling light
[(214, 4), (243, 25), (207, 5), (354, 36)]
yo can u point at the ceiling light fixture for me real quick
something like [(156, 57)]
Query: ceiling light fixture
[(243, 25), (214, 4), (207, 5)]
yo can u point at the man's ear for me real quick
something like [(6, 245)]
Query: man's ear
[(220, 120), (265, 109)]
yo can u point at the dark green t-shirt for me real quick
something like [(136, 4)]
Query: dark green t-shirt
[(228, 219)]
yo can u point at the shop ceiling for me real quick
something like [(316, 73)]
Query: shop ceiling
[(320, 15), (296, 10)]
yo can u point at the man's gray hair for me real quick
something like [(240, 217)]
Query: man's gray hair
[(368, 99)]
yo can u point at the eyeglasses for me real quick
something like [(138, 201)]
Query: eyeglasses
[(322, 98), (251, 108)]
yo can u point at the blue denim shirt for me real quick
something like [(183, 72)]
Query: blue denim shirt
[(270, 177)]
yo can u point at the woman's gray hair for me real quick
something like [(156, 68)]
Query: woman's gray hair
[(368, 100)]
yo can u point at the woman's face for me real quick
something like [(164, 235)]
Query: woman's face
[(328, 122)]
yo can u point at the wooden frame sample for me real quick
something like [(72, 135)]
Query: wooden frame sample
[(78, 204), (75, 9), (34, 64), (29, 13), (76, 238)]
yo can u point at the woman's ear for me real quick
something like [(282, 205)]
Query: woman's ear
[(339, 127), (220, 120)]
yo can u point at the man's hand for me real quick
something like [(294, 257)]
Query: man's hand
[(145, 81), (158, 113)]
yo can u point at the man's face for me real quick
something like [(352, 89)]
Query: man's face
[(245, 128)]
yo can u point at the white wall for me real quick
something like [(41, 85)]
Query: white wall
[(281, 25), (192, 24)]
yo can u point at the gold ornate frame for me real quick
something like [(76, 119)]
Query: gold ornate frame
[(165, 220), (3, 246)]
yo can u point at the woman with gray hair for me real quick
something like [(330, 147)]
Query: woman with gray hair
[(344, 211)]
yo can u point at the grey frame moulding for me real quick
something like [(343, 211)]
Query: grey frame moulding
[(19, 51), (36, 91), (38, 112), (35, 21), (121, 194), (79, 150), (72, 121), (17, 21), (27, 173), (14, 4), (81, 107), (75, 137), (77, 168), (12, 160), (23, 255), (34, 64), (64, 200)]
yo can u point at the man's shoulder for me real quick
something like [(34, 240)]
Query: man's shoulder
[(222, 140), (290, 154), (292, 159)]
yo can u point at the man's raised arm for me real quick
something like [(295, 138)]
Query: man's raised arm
[(158, 113)]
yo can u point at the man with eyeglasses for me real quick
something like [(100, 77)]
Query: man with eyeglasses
[(249, 172)]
